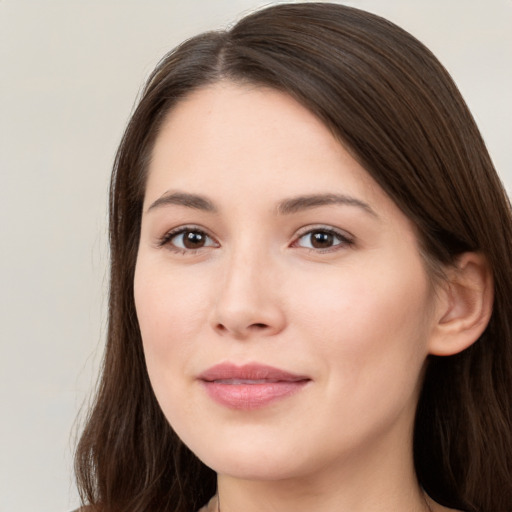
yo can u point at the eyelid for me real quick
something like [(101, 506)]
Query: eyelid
[(165, 240), (346, 239)]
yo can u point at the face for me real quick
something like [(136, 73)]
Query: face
[(284, 307)]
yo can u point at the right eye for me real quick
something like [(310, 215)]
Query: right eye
[(323, 239), (187, 239)]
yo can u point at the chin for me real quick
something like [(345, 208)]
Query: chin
[(264, 468), (253, 459)]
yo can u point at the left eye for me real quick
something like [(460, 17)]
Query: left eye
[(322, 239), (189, 239)]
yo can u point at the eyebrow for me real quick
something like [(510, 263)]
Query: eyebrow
[(194, 201), (286, 207), (301, 203)]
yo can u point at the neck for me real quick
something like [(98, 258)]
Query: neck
[(287, 497)]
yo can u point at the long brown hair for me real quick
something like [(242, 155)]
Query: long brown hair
[(396, 109)]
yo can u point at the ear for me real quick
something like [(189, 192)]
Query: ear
[(464, 305)]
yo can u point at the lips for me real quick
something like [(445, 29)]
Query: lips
[(250, 386)]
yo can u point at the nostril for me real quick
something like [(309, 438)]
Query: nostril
[(241, 330), (259, 326)]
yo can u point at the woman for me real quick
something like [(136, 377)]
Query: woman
[(310, 282)]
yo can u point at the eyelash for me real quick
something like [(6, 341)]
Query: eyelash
[(344, 240), (167, 239)]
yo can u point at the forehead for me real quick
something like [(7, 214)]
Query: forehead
[(253, 144), (255, 117)]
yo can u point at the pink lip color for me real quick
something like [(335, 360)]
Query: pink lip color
[(250, 386)]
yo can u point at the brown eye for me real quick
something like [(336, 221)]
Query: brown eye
[(193, 239), (187, 239), (323, 239)]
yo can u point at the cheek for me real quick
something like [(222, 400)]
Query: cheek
[(167, 302), (368, 319), (171, 311), (367, 335)]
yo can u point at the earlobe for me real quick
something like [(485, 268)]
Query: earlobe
[(465, 305)]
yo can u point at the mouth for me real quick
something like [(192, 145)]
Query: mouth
[(250, 386)]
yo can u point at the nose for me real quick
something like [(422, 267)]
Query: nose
[(248, 302)]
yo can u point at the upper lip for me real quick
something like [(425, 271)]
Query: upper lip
[(252, 371)]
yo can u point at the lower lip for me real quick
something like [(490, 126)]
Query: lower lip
[(252, 396)]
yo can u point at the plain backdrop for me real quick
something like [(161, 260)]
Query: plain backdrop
[(70, 73)]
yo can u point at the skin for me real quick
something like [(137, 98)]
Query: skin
[(358, 315)]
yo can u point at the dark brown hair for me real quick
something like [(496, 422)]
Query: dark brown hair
[(396, 109)]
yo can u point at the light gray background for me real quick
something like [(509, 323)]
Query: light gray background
[(70, 72)]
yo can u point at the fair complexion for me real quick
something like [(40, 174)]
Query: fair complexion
[(264, 242)]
